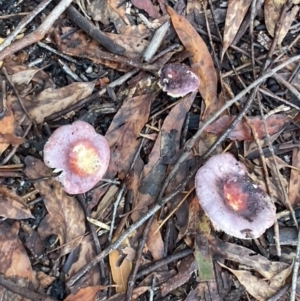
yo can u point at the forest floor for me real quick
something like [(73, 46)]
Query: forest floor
[(178, 89)]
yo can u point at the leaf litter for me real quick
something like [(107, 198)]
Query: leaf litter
[(157, 143)]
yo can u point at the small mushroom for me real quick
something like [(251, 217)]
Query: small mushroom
[(177, 80), (231, 200), (80, 153)]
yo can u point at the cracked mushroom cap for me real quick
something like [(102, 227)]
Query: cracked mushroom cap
[(231, 200), (177, 80), (80, 153)]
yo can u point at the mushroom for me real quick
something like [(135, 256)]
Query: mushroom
[(231, 200), (80, 153), (178, 80)]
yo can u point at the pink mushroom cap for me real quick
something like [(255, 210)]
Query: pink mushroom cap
[(178, 80), (80, 153), (231, 200)]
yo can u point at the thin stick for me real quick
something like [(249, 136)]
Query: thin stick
[(115, 208), (295, 270), (137, 261)]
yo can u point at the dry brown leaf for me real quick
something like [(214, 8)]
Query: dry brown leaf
[(11, 139), (17, 72), (32, 240), (44, 280), (274, 124), (137, 292), (79, 45), (147, 6), (65, 217), (123, 133), (165, 147), (134, 46), (141, 30), (24, 77), (107, 12), (294, 183), (236, 11), (50, 101), (14, 262), (122, 136), (121, 267), (272, 11), (87, 294), (186, 267), (155, 243), (201, 61), (259, 288), (242, 255), (12, 205), (7, 131), (191, 222), (85, 254)]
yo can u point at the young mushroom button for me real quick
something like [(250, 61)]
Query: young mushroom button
[(231, 200), (80, 153), (177, 80)]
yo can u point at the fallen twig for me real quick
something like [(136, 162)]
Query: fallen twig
[(23, 291), (93, 31), (39, 33), (23, 23)]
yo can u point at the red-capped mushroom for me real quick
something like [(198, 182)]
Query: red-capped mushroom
[(231, 200), (80, 153), (177, 80)]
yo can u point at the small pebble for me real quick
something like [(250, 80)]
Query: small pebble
[(89, 70)]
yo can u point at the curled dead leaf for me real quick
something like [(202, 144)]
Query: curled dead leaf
[(274, 124)]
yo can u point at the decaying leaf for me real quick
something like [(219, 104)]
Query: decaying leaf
[(24, 77), (86, 293), (79, 45), (123, 134), (274, 124), (147, 6), (272, 12), (14, 259), (85, 254), (65, 217), (245, 256), (14, 262), (134, 45), (124, 130), (165, 147), (7, 131), (50, 101), (293, 191), (107, 11), (257, 287), (201, 61), (155, 243), (186, 267), (21, 75), (236, 11), (12, 205), (120, 265)]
